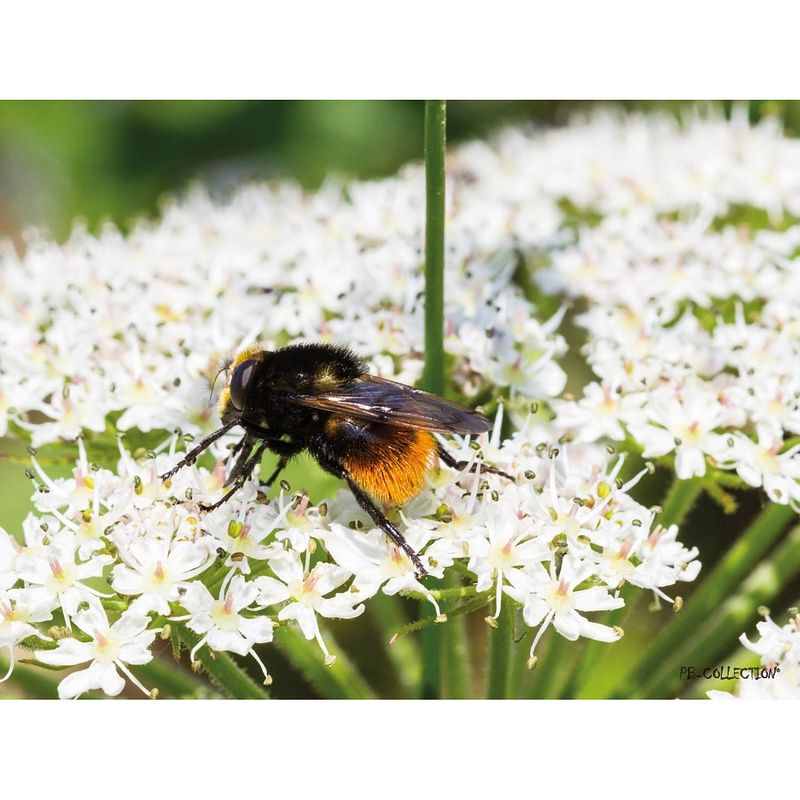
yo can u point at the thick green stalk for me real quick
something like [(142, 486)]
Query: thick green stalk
[(711, 593), (435, 139), (719, 633), (223, 670), (678, 502), (433, 371), (431, 648), (388, 614), (341, 680), (500, 651), (519, 674), (457, 672), (549, 674)]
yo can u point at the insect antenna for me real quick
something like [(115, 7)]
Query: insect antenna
[(212, 377)]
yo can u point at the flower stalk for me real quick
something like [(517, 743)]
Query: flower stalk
[(500, 651), (433, 371), (435, 151)]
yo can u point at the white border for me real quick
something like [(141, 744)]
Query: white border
[(392, 749), (415, 48)]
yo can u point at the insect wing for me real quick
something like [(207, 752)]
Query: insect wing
[(398, 405)]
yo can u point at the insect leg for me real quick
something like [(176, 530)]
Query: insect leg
[(285, 450), (237, 447), (459, 465), (204, 444), (244, 474), (245, 445), (282, 462), (367, 503)]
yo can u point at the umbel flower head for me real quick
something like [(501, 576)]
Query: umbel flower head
[(689, 333), (560, 539)]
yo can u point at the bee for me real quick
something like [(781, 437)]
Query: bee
[(373, 433)]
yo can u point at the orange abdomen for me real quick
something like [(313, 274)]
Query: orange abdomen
[(390, 464)]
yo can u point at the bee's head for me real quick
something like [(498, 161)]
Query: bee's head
[(239, 380)]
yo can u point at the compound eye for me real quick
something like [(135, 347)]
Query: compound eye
[(240, 383)]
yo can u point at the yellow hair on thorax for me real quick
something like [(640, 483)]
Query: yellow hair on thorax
[(255, 351)]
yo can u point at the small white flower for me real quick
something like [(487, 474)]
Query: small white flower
[(221, 622), (18, 610), (377, 563), (550, 598), (110, 649), (685, 424), (778, 677), (56, 576), (762, 464), (154, 570), (504, 548), (306, 592)]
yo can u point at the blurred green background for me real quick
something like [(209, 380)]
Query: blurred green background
[(64, 160), (96, 161)]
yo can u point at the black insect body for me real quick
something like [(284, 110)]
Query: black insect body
[(373, 433)]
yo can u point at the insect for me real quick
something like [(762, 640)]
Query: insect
[(375, 434)]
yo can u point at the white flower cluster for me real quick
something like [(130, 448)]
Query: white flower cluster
[(691, 333), (692, 325), (778, 678), (561, 539), (693, 338), (130, 325)]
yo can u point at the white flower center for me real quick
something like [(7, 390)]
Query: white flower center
[(396, 563), (158, 580), (106, 646), (501, 556), (305, 591), (767, 461), (691, 434), (62, 576), (559, 597), (223, 615)]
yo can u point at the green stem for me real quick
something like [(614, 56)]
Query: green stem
[(720, 631), (433, 371), (341, 680), (222, 669), (389, 616), (711, 593), (677, 503), (435, 137), (455, 652), (549, 674), (519, 672), (431, 646), (457, 672), (501, 640)]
